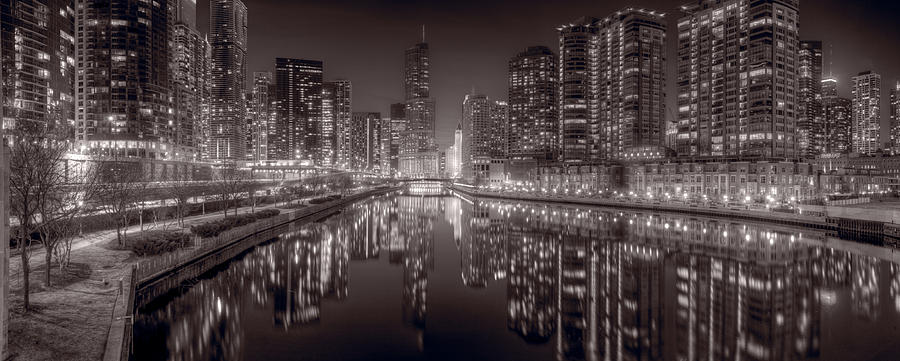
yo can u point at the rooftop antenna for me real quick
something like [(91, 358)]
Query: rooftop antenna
[(831, 60), (423, 33)]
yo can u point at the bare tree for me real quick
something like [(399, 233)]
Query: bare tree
[(181, 191), (119, 193), (60, 202), (35, 162), (230, 183)]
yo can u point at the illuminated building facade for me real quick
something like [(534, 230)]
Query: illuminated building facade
[(418, 155), (260, 111), (37, 66), (837, 113), (810, 124), (866, 130), (366, 137), (123, 106), (190, 79), (533, 115), (298, 96), (612, 81), (895, 120), (737, 79), (228, 73), (337, 110), (484, 135)]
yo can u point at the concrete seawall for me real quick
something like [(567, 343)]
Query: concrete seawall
[(834, 226), (146, 290)]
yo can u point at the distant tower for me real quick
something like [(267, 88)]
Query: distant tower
[(866, 112), (810, 127), (336, 101)]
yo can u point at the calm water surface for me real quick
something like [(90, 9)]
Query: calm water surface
[(409, 277)]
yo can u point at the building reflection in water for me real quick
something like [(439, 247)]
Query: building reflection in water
[(591, 284)]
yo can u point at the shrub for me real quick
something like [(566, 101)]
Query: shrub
[(157, 242), (214, 228)]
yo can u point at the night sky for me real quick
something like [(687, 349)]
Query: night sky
[(472, 40)]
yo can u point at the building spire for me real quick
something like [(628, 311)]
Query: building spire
[(423, 33)]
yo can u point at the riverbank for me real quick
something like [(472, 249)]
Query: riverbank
[(70, 320), (834, 225)]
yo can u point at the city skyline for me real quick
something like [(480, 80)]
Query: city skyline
[(462, 59)]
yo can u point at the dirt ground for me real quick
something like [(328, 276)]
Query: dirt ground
[(70, 319)]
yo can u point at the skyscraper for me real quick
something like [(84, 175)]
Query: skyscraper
[(578, 109), (189, 78), (418, 152), (837, 114), (895, 120), (533, 117), (228, 72), (398, 126), (123, 89), (337, 109), (866, 112), (37, 65), (612, 74), (260, 114), (484, 135), (737, 79), (299, 105), (810, 124)]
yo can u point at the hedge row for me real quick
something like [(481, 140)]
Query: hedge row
[(324, 199), (214, 228), (154, 243)]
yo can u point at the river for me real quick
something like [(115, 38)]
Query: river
[(441, 277)]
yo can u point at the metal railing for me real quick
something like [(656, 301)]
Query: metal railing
[(150, 268)]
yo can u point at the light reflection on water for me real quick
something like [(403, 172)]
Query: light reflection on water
[(410, 277)]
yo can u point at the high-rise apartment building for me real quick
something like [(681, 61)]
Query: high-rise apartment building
[(866, 113), (738, 79), (299, 106), (260, 110), (484, 135), (190, 79), (366, 136), (123, 92), (337, 110), (37, 66), (578, 109), (895, 120), (228, 72), (810, 123), (418, 152), (838, 113), (533, 132), (612, 81)]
